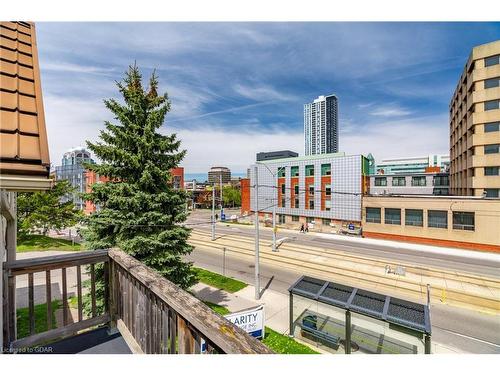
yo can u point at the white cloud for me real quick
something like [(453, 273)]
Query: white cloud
[(390, 112), (262, 93), (76, 68), (71, 121)]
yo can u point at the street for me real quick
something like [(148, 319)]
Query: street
[(465, 330), (200, 219)]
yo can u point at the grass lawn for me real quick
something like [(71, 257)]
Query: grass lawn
[(38, 242), (217, 308), (282, 344), (218, 281), (23, 322)]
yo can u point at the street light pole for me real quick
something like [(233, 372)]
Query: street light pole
[(256, 191), (274, 227), (221, 201), (213, 212)]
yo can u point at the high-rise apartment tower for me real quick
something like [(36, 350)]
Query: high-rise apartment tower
[(475, 125), (321, 126)]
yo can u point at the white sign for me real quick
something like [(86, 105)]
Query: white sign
[(250, 320)]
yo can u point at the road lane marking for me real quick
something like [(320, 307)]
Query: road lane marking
[(469, 337)]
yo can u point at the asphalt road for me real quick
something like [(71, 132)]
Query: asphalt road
[(464, 330), (200, 218)]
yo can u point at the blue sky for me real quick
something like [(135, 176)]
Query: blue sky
[(239, 88)]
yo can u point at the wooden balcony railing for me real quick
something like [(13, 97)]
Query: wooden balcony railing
[(49, 266), (152, 314)]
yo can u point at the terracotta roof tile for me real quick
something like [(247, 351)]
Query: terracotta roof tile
[(23, 138)]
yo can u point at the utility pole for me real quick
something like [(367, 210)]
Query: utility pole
[(274, 215), (221, 201), (213, 212), (256, 191)]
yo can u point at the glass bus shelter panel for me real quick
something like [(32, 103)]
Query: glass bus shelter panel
[(373, 336), (319, 324), (302, 305)]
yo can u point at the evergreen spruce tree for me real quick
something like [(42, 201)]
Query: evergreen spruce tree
[(140, 212)]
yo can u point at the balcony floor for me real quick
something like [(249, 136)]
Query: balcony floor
[(97, 341)]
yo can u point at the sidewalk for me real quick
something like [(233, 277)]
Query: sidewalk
[(276, 308)]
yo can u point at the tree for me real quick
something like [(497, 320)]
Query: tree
[(140, 212), (231, 196), (43, 211)]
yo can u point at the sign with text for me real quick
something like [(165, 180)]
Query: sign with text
[(249, 320)]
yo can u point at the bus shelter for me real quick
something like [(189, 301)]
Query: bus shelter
[(335, 316)]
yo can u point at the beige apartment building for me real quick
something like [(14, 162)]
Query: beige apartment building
[(475, 125), (464, 222)]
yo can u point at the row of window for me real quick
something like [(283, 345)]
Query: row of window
[(491, 105), (309, 220), (415, 181), (492, 82), (492, 193), (492, 149), (491, 171), (492, 60), (328, 189), (326, 170), (415, 217), (491, 127)]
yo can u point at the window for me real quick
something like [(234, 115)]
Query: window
[(491, 171), (398, 181), (296, 202), (414, 218), (282, 201), (492, 82), (296, 189), (492, 193), (491, 104), (418, 181), (281, 219), (309, 170), (463, 220), (311, 189), (380, 181), (491, 127), (492, 149), (441, 181), (283, 188), (326, 221), (438, 191), (309, 220), (294, 171), (492, 60), (372, 215), (393, 216), (328, 190), (281, 172), (326, 169), (437, 219), (295, 218), (328, 205), (311, 204)]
